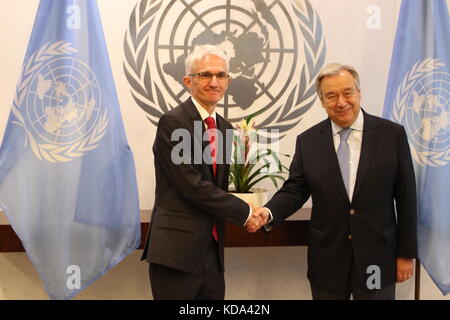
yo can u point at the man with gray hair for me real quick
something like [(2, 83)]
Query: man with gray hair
[(358, 170), (185, 245)]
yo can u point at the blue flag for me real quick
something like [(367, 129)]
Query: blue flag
[(418, 96), (67, 176)]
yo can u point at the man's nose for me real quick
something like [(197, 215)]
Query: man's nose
[(214, 81), (342, 101)]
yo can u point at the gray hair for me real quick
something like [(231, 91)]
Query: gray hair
[(200, 52), (333, 69)]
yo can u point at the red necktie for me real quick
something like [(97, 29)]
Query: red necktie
[(211, 124)]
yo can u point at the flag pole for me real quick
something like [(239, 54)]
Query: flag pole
[(417, 281)]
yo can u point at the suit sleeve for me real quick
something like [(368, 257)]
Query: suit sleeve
[(294, 192), (202, 194), (406, 200)]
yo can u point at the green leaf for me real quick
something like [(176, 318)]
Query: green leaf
[(250, 117), (257, 172), (263, 178)]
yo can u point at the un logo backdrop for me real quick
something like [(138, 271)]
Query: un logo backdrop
[(276, 49), (58, 103), (422, 105)]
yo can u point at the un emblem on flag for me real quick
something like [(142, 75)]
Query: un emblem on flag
[(276, 49), (422, 104), (58, 103)]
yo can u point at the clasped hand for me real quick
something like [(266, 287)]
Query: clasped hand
[(258, 218)]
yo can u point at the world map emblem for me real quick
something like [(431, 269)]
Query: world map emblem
[(422, 104), (276, 49), (58, 103)]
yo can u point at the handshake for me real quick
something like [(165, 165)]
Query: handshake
[(258, 218)]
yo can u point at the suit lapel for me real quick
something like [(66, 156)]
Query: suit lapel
[(221, 152), (331, 158), (195, 116), (370, 140)]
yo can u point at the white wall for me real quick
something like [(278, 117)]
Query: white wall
[(280, 272)]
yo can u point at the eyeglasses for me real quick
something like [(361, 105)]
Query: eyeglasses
[(208, 76)]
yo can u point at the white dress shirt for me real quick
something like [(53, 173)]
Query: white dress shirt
[(203, 113), (354, 143)]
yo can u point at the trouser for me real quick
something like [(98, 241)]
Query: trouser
[(355, 288), (208, 283)]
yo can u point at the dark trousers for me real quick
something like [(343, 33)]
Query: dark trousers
[(208, 283), (355, 288)]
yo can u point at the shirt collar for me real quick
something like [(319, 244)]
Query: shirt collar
[(357, 125), (203, 113)]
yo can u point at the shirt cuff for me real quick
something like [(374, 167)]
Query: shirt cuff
[(249, 215), (270, 215), (268, 221)]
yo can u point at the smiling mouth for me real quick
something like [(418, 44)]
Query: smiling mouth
[(343, 110)]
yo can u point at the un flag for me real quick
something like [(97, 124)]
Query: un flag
[(67, 176), (418, 96)]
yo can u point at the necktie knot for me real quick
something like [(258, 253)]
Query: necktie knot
[(344, 133), (210, 123), (212, 132)]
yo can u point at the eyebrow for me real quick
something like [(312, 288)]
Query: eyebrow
[(345, 89)]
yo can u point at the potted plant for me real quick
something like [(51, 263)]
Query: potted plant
[(253, 162)]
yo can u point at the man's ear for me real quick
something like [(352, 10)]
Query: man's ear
[(322, 102), (187, 82)]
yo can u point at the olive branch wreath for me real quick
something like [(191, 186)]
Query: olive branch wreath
[(418, 71), (315, 53), (137, 70), (48, 151)]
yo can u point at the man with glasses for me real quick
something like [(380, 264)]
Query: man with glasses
[(185, 245), (358, 170)]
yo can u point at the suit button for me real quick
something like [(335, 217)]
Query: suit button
[(352, 211), (349, 237)]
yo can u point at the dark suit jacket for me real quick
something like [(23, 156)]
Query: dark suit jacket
[(188, 198), (385, 173)]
